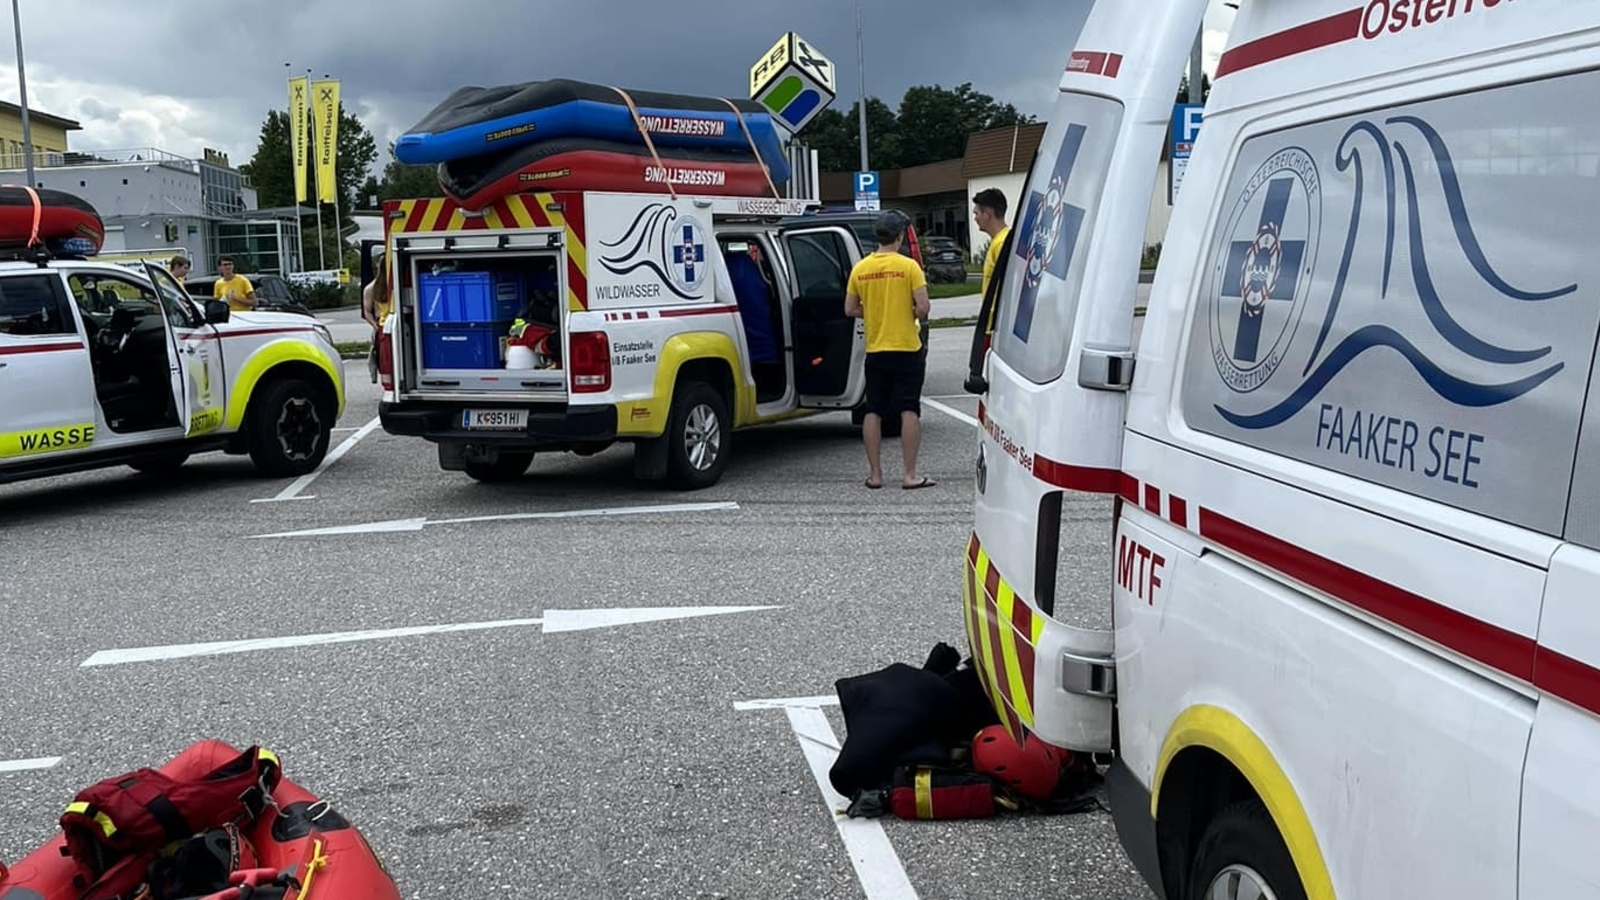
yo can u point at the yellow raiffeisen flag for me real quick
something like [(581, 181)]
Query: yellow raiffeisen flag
[(299, 141), (325, 111)]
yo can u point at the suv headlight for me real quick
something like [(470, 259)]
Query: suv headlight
[(323, 332)]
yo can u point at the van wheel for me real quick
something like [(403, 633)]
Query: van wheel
[(506, 467), (698, 434), (289, 428), (1241, 855)]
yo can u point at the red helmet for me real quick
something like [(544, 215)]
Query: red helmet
[(1032, 770)]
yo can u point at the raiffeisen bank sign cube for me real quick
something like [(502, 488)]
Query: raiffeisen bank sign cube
[(793, 81)]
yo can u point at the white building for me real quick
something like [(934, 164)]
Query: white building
[(156, 204)]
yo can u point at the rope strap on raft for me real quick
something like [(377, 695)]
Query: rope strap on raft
[(38, 211), (645, 132), (765, 169)]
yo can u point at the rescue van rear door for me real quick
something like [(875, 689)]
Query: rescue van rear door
[(830, 348), (1061, 363)]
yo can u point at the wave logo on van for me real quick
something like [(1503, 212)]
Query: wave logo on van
[(1321, 368), (661, 241)]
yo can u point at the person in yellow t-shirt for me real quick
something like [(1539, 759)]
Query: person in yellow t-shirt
[(889, 293), (989, 213), (236, 289)]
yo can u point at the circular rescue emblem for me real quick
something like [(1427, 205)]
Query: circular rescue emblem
[(686, 254), (1263, 269), (1046, 235)]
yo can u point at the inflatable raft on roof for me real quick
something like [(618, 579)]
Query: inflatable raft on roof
[(475, 121), (63, 224), (589, 165)]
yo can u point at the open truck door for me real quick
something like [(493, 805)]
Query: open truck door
[(1061, 362), (830, 348)]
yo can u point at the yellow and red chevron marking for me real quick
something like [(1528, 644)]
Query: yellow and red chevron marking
[(435, 214), (1002, 632)]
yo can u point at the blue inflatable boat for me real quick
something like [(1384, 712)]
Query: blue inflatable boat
[(474, 121)]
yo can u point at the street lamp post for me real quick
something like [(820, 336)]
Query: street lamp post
[(861, 74), (22, 84)]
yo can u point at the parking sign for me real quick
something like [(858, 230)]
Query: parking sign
[(1186, 118), (867, 191)]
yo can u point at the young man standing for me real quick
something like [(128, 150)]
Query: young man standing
[(989, 213), (889, 293), (236, 289)]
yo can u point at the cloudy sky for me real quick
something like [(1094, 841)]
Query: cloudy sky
[(181, 75)]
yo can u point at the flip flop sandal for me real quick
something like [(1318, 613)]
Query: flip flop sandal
[(867, 483), (925, 482)]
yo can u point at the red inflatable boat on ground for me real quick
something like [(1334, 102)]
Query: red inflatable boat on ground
[(64, 224), (585, 164), (297, 848)]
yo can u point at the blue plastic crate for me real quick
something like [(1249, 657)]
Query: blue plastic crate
[(470, 297), (447, 345)]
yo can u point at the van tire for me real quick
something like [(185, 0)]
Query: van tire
[(698, 437), (508, 466), (290, 423), (1241, 841)]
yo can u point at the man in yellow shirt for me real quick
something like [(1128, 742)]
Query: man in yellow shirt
[(236, 289), (889, 293), (989, 213)]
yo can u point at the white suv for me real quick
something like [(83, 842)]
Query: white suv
[(102, 365)]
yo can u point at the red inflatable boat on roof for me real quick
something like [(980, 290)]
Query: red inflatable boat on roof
[(585, 164), (61, 223), (186, 830)]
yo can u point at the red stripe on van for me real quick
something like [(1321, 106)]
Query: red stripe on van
[(1334, 29), (1078, 478), (698, 311), (1567, 678), (39, 348), (1489, 644)]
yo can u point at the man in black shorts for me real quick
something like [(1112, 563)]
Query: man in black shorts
[(889, 293)]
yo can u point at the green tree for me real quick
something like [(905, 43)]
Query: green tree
[(931, 125), (1205, 88), (271, 170), (401, 181), (934, 122)]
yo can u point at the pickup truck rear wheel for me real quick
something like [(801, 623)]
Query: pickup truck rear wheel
[(290, 424), (697, 436), (506, 467)]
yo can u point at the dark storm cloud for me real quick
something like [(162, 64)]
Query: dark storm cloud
[(224, 63)]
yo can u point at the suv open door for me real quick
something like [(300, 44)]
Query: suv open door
[(830, 348)]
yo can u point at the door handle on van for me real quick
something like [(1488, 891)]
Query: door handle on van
[(1105, 370)]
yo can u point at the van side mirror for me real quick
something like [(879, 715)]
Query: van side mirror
[(217, 312)]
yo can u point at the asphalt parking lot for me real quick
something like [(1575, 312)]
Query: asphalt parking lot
[(576, 708)]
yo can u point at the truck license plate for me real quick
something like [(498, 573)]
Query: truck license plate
[(494, 419)]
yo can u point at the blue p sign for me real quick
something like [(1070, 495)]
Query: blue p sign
[(866, 182)]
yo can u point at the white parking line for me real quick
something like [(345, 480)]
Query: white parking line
[(877, 866), (25, 765), (953, 413), (292, 492)]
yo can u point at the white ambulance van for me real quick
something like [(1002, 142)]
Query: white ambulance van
[(1353, 458)]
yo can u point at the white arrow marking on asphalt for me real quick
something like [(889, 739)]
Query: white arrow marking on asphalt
[(24, 765), (554, 620), (403, 525), (877, 866)]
